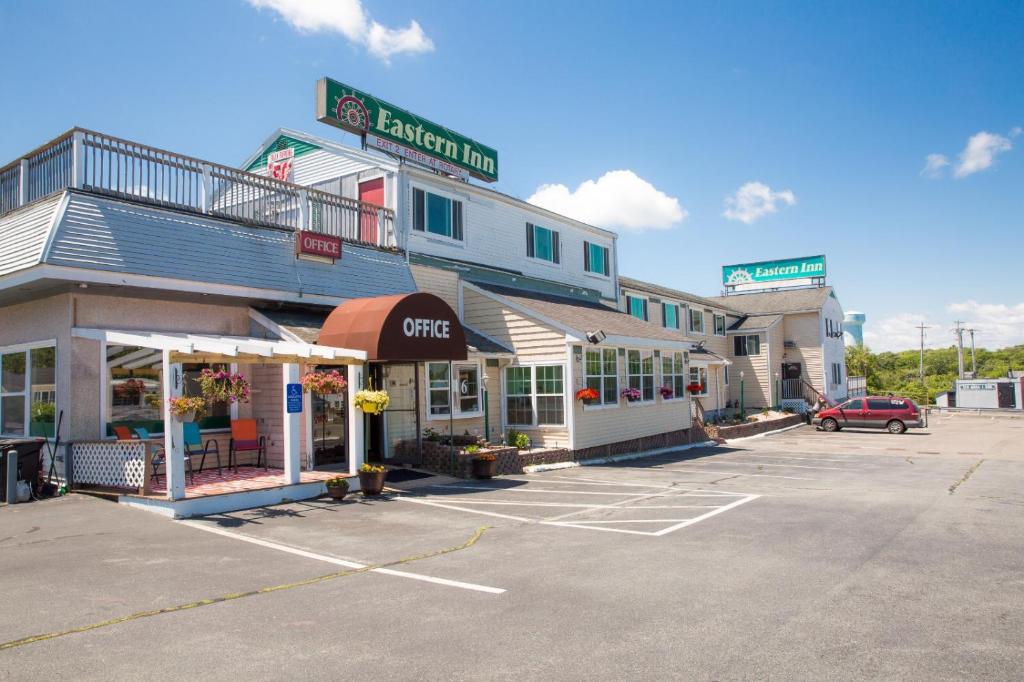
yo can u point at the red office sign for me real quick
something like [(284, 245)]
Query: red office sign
[(316, 244)]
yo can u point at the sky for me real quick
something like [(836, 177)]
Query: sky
[(886, 136)]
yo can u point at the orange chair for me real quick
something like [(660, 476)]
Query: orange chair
[(245, 438), (123, 433)]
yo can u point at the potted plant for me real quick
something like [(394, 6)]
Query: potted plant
[(370, 401), (587, 395), (187, 408), (694, 388), (631, 394), (337, 487), (667, 393), (371, 479), (485, 465), (324, 383), (220, 386)]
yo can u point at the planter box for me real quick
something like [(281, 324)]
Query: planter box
[(753, 428)]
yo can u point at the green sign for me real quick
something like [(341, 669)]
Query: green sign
[(773, 270), (396, 131)]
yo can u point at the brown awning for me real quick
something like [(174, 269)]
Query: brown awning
[(406, 327)]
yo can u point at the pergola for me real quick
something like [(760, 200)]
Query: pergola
[(178, 348)]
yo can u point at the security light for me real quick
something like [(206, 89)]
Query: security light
[(596, 337)]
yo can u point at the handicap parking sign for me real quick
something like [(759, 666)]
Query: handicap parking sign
[(293, 398)]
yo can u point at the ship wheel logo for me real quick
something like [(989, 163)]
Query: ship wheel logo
[(352, 112), (739, 276)]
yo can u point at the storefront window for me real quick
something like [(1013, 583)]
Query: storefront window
[(641, 372), (28, 392), (673, 373), (603, 374)]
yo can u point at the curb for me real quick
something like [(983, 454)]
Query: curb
[(538, 468), (768, 433)]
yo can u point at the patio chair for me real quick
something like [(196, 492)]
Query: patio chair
[(124, 433), (245, 438), (160, 456), (194, 446)]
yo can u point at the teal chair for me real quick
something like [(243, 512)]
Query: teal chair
[(194, 446)]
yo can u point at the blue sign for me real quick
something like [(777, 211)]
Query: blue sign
[(293, 398)]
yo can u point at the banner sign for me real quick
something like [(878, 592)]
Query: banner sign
[(774, 270), (357, 112), (316, 244), (279, 164)]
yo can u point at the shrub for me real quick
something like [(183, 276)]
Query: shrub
[(518, 439), (472, 449), (337, 482)]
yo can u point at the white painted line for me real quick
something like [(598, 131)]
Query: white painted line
[(687, 491), (341, 562), (702, 517), (536, 490), (566, 524), (463, 509), (735, 473), (765, 464), (584, 521), (812, 459)]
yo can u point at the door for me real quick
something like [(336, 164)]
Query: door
[(328, 427), (401, 418), (792, 386), (371, 192), (1007, 397), (852, 414)]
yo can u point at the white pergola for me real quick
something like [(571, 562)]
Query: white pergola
[(178, 348)]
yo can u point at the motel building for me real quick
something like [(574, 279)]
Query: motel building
[(126, 270)]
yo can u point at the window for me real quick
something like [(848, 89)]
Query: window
[(640, 366), (596, 258), (467, 389), (436, 214), (135, 390), (602, 372), (885, 404), (534, 391), (670, 315), (673, 373), (853, 405), (746, 345), (637, 307), (699, 375), (696, 321), (28, 391), (837, 373), (542, 243), (719, 325)]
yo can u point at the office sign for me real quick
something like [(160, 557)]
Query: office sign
[(316, 244), (385, 125), (774, 270)]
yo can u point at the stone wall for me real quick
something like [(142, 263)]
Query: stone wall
[(753, 428)]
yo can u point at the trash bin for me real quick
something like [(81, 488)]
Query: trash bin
[(27, 450)]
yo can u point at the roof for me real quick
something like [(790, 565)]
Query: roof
[(584, 316), (305, 324), (755, 322), (703, 354), (666, 292), (789, 301)]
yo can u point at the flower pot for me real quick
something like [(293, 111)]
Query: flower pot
[(186, 417), (337, 492), (370, 408), (371, 482), (483, 468)]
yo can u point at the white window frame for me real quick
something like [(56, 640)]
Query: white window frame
[(699, 369), (654, 378), (425, 232), (534, 395), (715, 318), (664, 377), (602, 405), (453, 397), (556, 236), (595, 273), (689, 321), (27, 392), (746, 345)]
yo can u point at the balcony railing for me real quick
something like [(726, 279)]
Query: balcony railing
[(107, 165)]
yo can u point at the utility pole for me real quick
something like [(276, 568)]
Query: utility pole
[(921, 327), (974, 363), (960, 349)]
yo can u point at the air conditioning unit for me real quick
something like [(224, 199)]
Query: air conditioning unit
[(789, 344)]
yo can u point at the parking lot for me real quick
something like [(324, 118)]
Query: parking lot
[(799, 555)]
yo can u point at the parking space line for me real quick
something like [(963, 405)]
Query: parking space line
[(471, 511), (812, 459), (766, 464), (567, 524), (540, 490), (735, 473), (695, 492), (702, 517)]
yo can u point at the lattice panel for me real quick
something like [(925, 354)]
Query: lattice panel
[(117, 463)]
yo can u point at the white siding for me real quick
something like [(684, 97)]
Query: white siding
[(833, 349), (804, 330), (23, 234)]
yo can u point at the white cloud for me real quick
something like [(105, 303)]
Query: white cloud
[(755, 200), (980, 153), (617, 199), (933, 165), (899, 332), (348, 18), (998, 325)]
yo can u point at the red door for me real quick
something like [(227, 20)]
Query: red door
[(371, 192)]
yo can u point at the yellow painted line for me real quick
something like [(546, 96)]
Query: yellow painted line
[(241, 595)]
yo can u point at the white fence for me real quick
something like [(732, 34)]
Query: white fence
[(109, 463)]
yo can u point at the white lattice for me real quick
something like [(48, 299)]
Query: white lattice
[(116, 463)]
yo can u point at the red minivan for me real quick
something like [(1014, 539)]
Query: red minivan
[(892, 413)]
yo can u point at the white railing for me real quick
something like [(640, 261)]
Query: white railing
[(107, 165), (856, 387), (108, 463)]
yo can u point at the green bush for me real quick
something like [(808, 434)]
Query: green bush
[(518, 439), (472, 449)]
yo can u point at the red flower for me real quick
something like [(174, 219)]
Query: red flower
[(587, 394)]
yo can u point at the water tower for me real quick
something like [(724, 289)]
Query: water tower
[(853, 328)]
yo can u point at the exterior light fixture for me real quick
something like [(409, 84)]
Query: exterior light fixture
[(596, 337)]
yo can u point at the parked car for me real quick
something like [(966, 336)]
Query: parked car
[(892, 413)]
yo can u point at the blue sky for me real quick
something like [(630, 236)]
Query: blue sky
[(832, 109)]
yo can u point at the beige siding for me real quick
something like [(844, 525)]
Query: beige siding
[(803, 330), (442, 283), (531, 340), (775, 349), (755, 370)]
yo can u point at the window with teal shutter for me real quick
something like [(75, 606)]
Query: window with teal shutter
[(541, 243), (637, 307), (595, 258), (670, 318), (436, 214)]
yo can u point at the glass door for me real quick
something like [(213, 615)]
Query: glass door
[(328, 429)]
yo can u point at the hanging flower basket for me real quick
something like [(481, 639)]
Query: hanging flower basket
[(187, 408), (631, 394), (372, 402), (587, 395), (666, 393), (129, 388), (324, 383), (219, 386), (695, 388)]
